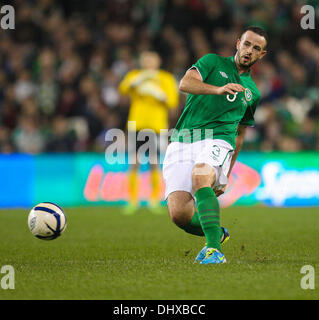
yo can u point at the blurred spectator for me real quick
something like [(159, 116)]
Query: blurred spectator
[(61, 67), (61, 139), (5, 140), (28, 137)]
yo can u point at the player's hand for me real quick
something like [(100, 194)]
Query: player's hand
[(143, 76), (219, 192), (230, 88), (153, 90)]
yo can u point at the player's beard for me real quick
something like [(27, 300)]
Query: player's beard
[(245, 64)]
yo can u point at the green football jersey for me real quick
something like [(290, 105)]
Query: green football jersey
[(217, 116)]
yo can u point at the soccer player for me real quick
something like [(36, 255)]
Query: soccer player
[(221, 101), (153, 93)]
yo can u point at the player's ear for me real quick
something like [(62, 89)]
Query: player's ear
[(237, 44), (263, 54)]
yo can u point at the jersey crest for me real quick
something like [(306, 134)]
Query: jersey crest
[(248, 94)]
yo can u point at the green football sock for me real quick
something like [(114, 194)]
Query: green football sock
[(208, 212), (194, 227)]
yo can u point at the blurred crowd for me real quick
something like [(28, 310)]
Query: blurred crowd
[(61, 66)]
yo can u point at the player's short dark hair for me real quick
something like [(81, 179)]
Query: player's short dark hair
[(257, 30)]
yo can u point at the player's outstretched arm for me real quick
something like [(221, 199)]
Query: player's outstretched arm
[(192, 83)]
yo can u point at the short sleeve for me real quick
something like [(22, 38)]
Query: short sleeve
[(248, 118), (206, 64)]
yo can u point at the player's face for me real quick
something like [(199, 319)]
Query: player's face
[(150, 60), (250, 49)]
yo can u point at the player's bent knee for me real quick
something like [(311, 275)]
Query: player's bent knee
[(180, 216), (179, 219), (203, 175), (180, 207)]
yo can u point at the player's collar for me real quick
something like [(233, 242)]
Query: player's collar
[(232, 58)]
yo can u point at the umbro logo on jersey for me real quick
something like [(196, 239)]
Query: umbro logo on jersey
[(223, 74)]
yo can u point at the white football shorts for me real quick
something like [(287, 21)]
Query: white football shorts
[(180, 159)]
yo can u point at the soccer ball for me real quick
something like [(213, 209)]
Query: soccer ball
[(47, 221)]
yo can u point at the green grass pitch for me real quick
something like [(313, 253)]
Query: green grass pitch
[(104, 254)]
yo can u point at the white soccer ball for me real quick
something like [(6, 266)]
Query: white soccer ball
[(47, 221)]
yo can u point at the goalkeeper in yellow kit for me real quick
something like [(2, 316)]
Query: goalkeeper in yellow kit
[(153, 93)]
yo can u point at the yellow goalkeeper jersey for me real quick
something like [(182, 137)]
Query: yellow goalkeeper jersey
[(152, 94)]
